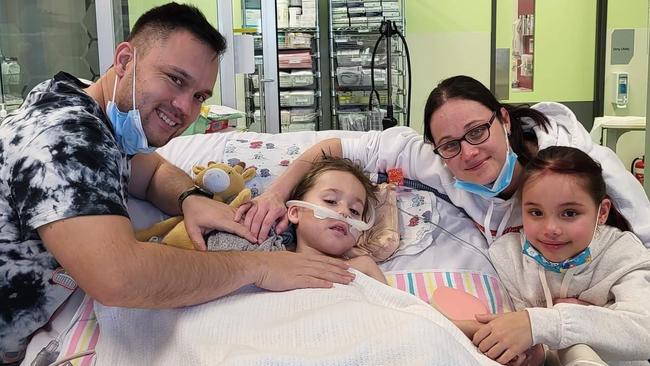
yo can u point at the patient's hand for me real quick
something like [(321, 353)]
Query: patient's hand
[(503, 337), (261, 213), (570, 300)]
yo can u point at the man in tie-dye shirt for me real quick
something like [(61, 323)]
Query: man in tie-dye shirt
[(68, 161)]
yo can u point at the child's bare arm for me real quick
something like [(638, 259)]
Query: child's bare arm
[(468, 327), (367, 266)]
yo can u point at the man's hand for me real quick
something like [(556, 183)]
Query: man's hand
[(503, 337), (203, 215), (261, 213), (281, 271)]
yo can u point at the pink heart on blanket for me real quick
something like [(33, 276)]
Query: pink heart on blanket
[(457, 304)]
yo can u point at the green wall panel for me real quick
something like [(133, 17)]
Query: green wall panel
[(565, 40), (627, 14), (432, 16), (446, 38)]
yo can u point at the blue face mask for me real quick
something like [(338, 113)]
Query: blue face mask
[(128, 126), (559, 267), (501, 183)]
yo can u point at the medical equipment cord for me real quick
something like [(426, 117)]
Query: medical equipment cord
[(466, 244), (463, 242), (387, 30), (49, 353)]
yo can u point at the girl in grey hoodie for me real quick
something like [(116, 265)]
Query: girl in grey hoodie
[(573, 275)]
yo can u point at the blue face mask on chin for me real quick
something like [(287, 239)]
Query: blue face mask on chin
[(500, 184), (128, 125), (558, 267)]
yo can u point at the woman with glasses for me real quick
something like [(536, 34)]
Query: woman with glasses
[(472, 155)]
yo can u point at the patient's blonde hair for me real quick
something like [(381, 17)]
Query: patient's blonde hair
[(333, 163)]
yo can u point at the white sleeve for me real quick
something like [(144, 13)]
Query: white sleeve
[(399, 147), (620, 331), (626, 192)]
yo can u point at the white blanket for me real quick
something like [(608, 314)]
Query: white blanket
[(365, 323)]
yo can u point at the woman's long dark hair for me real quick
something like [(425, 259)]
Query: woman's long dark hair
[(576, 163), (465, 87)]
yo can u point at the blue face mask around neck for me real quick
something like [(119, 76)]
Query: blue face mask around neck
[(558, 267), (128, 125), (500, 184), (581, 258)]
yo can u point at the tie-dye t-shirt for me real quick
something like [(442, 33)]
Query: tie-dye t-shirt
[(58, 159)]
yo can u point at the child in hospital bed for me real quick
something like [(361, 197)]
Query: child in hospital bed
[(330, 208), (573, 278)]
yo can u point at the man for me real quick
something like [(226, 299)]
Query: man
[(70, 156)]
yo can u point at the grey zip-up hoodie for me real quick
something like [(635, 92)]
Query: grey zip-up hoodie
[(616, 282)]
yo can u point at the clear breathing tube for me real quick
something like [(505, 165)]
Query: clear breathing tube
[(326, 213)]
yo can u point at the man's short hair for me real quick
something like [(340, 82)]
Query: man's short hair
[(159, 22)]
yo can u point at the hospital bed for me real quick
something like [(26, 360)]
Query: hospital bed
[(363, 323)]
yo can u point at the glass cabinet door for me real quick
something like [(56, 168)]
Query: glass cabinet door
[(250, 87), (39, 38), (362, 70), (254, 93), (284, 93)]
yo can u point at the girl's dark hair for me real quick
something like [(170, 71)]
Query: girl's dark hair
[(575, 162), (159, 22), (331, 163), (465, 87)]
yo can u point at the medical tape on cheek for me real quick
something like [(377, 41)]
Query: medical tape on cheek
[(326, 213)]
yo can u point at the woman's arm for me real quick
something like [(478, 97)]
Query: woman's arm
[(627, 194), (156, 180), (263, 211)]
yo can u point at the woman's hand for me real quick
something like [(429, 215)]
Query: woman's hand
[(261, 213), (502, 337), (203, 215)]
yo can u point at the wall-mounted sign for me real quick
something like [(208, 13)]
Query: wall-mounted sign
[(622, 46)]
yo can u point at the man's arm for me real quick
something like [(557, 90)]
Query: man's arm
[(102, 255), (158, 181)]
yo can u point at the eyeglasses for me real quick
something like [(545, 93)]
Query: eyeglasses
[(475, 136)]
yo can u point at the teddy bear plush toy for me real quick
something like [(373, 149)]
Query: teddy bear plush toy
[(226, 183)]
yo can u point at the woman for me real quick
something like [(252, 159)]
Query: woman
[(472, 154)]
